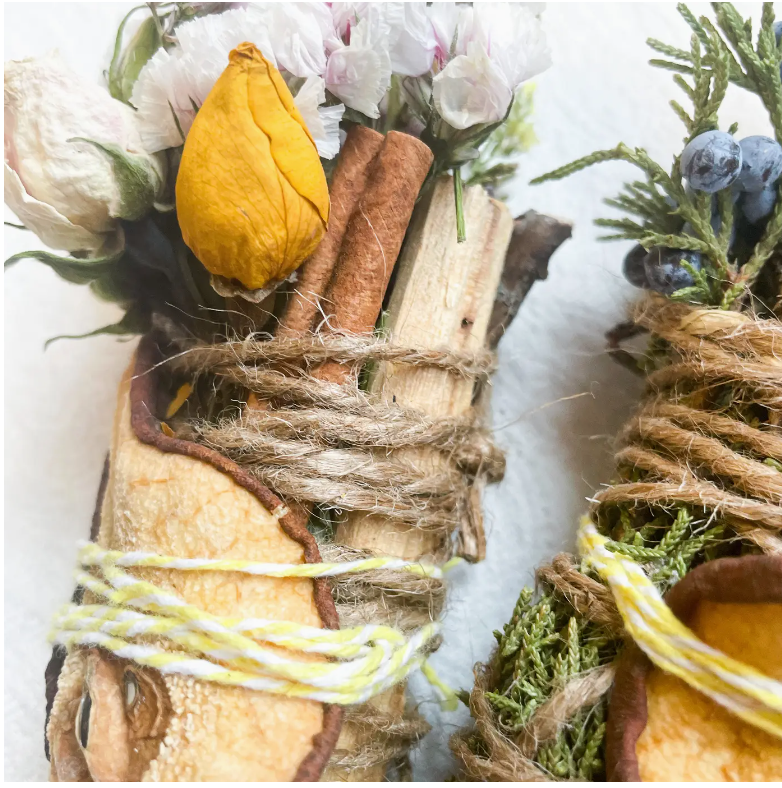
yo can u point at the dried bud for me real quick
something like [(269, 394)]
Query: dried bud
[(251, 194)]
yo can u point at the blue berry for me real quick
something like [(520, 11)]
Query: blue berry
[(711, 161), (665, 272), (761, 165), (633, 267), (756, 206)]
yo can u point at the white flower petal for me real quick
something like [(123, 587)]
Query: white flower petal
[(444, 18), (513, 36), (46, 222), (299, 31), (330, 141), (413, 41), (322, 122), (158, 95), (471, 90), (175, 82), (360, 73)]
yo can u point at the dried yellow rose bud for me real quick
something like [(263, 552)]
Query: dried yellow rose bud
[(251, 194)]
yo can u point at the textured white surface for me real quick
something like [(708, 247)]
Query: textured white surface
[(59, 405)]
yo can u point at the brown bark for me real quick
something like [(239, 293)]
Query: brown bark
[(535, 239)]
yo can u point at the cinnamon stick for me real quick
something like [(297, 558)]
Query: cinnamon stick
[(373, 240), (347, 184)]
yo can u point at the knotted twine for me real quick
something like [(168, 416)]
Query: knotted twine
[(335, 446), (683, 447)]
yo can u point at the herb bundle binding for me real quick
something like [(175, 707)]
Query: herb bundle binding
[(325, 389), (699, 467)]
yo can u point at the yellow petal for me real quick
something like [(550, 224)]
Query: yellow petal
[(183, 392), (252, 198)]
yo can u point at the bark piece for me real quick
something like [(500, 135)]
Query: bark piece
[(535, 239)]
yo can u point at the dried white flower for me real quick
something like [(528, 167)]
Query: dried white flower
[(514, 39), (63, 190), (471, 90), (444, 18), (412, 38), (359, 73), (299, 31), (322, 122), (498, 46)]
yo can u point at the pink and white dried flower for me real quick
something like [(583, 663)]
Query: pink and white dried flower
[(359, 72), (174, 83), (299, 31), (498, 46)]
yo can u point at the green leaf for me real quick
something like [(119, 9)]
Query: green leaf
[(126, 65), (458, 194), (137, 179), (134, 322), (79, 271)]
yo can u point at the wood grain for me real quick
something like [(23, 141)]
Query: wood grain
[(442, 298)]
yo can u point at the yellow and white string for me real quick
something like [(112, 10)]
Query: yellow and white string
[(673, 647), (255, 653)]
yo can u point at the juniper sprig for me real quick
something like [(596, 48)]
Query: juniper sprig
[(662, 207)]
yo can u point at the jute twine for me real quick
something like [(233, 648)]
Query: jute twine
[(683, 447), (335, 446)]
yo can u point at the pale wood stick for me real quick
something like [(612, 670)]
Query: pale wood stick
[(535, 239), (443, 297)]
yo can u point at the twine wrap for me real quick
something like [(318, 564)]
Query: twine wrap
[(690, 447), (333, 445), (336, 446)]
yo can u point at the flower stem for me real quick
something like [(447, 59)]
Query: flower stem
[(458, 193)]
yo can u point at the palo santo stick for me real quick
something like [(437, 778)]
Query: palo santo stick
[(442, 298), (373, 239), (347, 185), (535, 239)]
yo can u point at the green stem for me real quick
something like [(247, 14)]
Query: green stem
[(458, 193)]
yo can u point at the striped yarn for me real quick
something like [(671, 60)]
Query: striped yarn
[(259, 654), (673, 647)]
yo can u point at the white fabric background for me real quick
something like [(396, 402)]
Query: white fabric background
[(59, 404)]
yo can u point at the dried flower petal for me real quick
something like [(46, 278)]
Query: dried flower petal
[(252, 198)]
